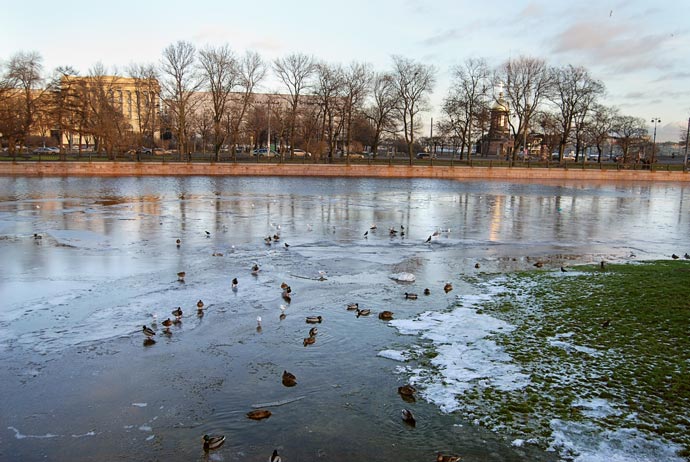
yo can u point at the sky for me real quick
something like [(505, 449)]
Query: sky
[(639, 49)]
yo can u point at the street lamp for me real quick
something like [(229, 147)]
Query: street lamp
[(655, 121)]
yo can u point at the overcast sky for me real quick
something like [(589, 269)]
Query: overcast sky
[(640, 51)]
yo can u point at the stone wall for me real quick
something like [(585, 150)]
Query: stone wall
[(328, 170)]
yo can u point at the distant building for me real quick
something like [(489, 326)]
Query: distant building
[(499, 142)]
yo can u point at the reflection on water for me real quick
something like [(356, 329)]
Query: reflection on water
[(106, 263)]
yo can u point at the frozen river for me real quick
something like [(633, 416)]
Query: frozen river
[(87, 261)]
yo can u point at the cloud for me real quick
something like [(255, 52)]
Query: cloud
[(450, 35), (615, 45), (680, 75), (532, 11)]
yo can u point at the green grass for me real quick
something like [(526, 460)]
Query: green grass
[(639, 362)]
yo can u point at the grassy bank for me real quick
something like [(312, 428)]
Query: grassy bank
[(608, 346)]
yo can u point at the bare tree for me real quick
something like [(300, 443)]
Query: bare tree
[(221, 74), (329, 88), (600, 125), (356, 83), (575, 91), (179, 84), (413, 82), (146, 101), (294, 71), (381, 111), (527, 82), (252, 71), (629, 131), (22, 83), (467, 99)]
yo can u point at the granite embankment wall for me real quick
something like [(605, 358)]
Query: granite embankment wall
[(332, 170)]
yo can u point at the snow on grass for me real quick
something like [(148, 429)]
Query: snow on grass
[(509, 362)]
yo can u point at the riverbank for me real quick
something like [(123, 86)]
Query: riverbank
[(576, 173)]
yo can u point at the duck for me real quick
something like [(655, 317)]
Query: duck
[(448, 287), (177, 312), (276, 238), (366, 233), (364, 312), (428, 239), (286, 296), (167, 323), (267, 240), (393, 231), (352, 306), (181, 275), (212, 442), (207, 234), (477, 265), (373, 226), (178, 242), (314, 319), (275, 457), (148, 331), (234, 283), (289, 380), (410, 296), (259, 414), (200, 304), (37, 236), (602, 264), (309, 341), (686, 256), (313, 331), (255, 269), (427, 291), (563, 270), (407, 390), (606, 323), (283, 285), (443, 458), (408, 418), (287, 246), (675, 257), (386, 315), (538, 264)]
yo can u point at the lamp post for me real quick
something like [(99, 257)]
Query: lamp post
[(655, 121), (687, 138)]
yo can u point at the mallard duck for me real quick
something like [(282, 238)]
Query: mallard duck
[(181, 275), (364, 312), (373, 226), (314, 319), (213, 441), (538, 264), (427, 291), (309, 341), (313, 331), (409, 296), (283, 285), (259, 414), (255, 270), (352, 306), (276, 238), (148, 331), (289, 380), (178, 242), (275, 457), (286, 245), (37, 236), (167, 323), (448, 287), (200, 304), (686, 256), (234, 283), (407, 390), (393, 231), (386, 315), (207, 234), (441, 458), (477, 265), (408, 418), (177, 312), (675, 257), (286, 296)]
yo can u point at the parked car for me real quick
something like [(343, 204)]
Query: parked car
[(425, 155), (593, 156), (301, 153), (160, 152), (146, 150), (46, 150), (263, 152)]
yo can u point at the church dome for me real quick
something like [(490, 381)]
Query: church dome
[(501, 105)]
